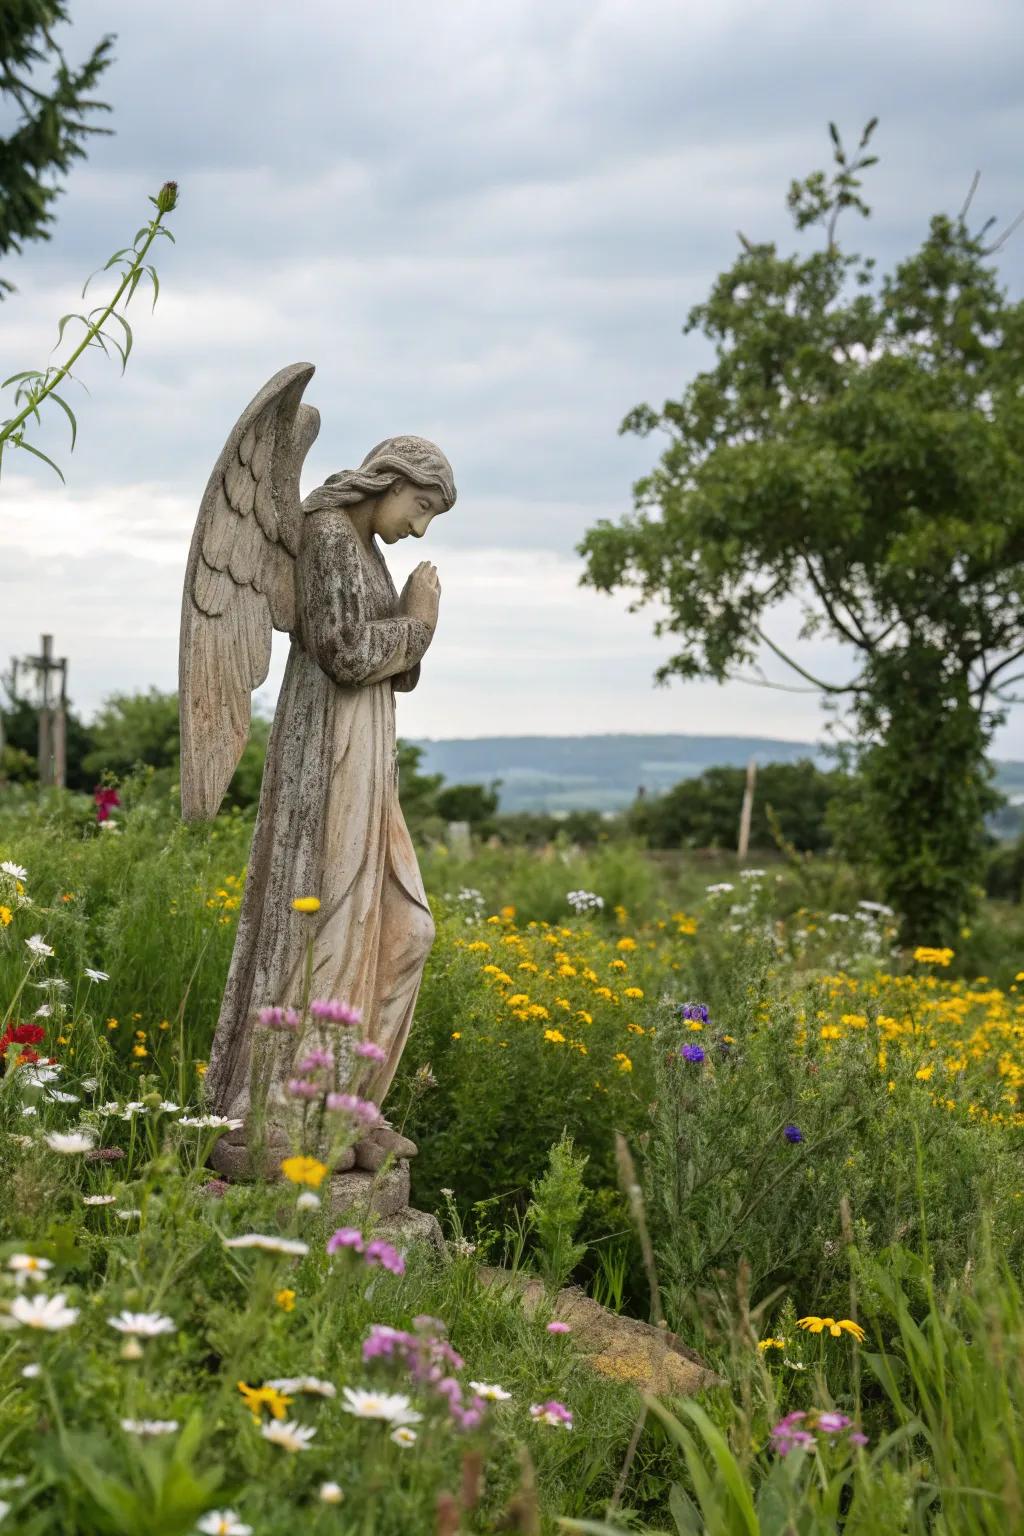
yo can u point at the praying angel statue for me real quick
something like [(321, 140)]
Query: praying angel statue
[(329, 831)]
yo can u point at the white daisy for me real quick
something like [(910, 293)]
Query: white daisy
[(223, 1522), (26, 1265), (288, 1434), (144, 1325), (147, 1428), (29, 1109), (312, 1385), (30, 1372), (38, 945), (269, 1244), (43, 1011), (16, 871), (169, 1107), (112, 1107), (98, 1199), (393, 1407), (56, 1096), (331, 1493), (90, 1084), (51, 984), (46, 1312), (69, 1143), (96, 975), (490, 1391), (403, 1435), (212, 1123), (307, 1201)]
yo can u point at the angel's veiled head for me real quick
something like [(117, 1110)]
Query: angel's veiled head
[(408, 479)]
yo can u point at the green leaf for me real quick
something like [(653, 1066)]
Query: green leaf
[(127, 328), (69, 413), (62, 322), (30, 373), (29, 449), (156, 285)]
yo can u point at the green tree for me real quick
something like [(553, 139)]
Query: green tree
[(704, 812), (133, 728), (475, 803), (51, 129), (859, 452), (417, 791)]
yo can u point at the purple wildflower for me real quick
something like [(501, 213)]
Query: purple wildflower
[(552, 1412), (349, 1104), (833, 1423), (382, 1253), (345, 1237), (331, 1011), (793, 1133), (370, 1051), (691, 1053), (300, 1088), (384, 1341), (317, 1061), (280, 1018), (788, 1436), (693, 1012), (557, 1327)]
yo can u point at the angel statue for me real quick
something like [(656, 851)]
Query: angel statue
[(329, 823)]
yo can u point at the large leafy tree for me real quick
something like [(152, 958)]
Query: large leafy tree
[(857, 447), (51, 129)]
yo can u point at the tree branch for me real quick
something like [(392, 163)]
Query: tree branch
[(822, 687)]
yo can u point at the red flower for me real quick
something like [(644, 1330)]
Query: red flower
[(21, 1034), (27, 1055), (105, 800)]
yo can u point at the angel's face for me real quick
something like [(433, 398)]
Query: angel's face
[(406, 509)]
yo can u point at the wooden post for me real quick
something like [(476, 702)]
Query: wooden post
[(748, 810), (52, 714), (45, 748)]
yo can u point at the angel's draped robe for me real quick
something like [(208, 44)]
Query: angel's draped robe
[(330, 825)]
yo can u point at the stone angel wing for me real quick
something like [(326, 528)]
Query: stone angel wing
[(240, 583)]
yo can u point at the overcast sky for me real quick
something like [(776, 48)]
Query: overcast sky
[(484, 223)]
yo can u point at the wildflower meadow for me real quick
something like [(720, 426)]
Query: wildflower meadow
[(726, 1103)]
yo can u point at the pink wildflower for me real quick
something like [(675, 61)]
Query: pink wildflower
[(382, 1253), (300, 1088), (317, 1061), (370, 1051), (345, 1237), (557, 1327), (280, 1018), (333, 1012), (552, 1412), (349, 1104)]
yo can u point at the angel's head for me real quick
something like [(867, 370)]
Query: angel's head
[(408, 480)]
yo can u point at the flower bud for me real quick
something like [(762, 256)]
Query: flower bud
[(167, 198)]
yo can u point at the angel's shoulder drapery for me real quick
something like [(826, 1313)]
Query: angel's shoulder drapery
[(338, 621)]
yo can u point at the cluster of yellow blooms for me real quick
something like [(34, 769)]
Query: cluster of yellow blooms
[(964, 1039), (577, 985)]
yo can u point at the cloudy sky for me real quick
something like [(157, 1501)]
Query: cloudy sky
[(484, 223)]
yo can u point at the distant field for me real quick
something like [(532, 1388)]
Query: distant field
[(568, 773)]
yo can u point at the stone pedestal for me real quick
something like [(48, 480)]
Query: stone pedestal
[(385, 1196)]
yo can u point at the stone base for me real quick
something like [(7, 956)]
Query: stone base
[(360, 1193)]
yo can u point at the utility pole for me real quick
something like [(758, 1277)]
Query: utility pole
[(52, 752)]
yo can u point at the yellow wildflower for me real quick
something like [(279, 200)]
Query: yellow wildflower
[(264, 1397), (625, 943), (112, 1024), (306, 904), (924, 1073), (518, 1000), (616, 965), (765, 1344), (456, 1034), (831, 1032), (285, 1299), (508, 912), (925, 955), (625, 1065), (844, 1325), (5, 916), (139, 1050), (633, 992), (304, 1170), (555, 1036), (581, 1013)]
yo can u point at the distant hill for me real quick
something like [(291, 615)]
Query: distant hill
[(568, 773)]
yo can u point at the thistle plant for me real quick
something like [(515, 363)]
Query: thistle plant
[(33, 388)]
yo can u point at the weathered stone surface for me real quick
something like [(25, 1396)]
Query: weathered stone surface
[(650, 1359), (409, 1226), (359, 1193)]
